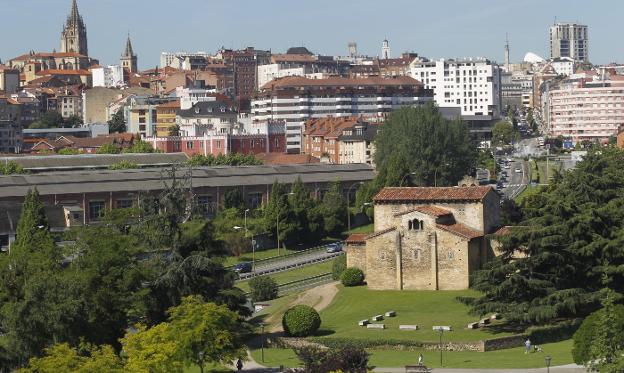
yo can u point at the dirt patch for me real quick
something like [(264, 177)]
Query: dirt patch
[(319, 298)]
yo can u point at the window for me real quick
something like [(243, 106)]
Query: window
[(417, 254), (189, 145), (96, 208), (451, 255), (123, 203)]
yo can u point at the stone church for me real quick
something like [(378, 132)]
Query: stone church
[(426, 238)]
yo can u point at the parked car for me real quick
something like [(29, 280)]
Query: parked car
[(244, 267), (334, 247), (518, 170)]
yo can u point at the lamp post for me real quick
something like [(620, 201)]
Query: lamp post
[(405, 177), (435, 175), (547, 359), (441, 330), (349, 212), (262, 340)]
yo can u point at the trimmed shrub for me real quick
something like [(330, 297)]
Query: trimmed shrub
[(301, 321), (263, 288), (352, 276), (584, 336), (338, 267)]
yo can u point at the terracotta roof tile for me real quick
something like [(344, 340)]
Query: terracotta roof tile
[(63, 72), (282, 158), (357, 239), (460, 230), (171, 104), (299, 81), (382, 232), (441, 194), (426, 209)]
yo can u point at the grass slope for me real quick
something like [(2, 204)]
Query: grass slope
[(295, 274), (423, 308)]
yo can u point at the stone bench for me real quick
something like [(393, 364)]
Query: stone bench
[(473, 325), (377, 318), (495, 316), (363, 322), (376, 326), (416, 369), (408, 327), (390, 314), (484, 321)]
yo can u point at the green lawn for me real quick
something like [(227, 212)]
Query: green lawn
[(423, 308), (528, 191), (553, 166), (295, 274), (510, 358), (370, 228), (208, 369), (248, 257)]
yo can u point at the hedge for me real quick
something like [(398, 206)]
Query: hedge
[(301, 321), (352, 276), (338, 267), (263, 288)]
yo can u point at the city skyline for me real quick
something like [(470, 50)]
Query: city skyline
[(470, 35)]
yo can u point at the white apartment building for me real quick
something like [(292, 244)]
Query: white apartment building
[(580, 110), (181, 60), (190, 96), (473, 85), (563, 65), (266, 73), (108, 76), (296, 99), (569, 40)]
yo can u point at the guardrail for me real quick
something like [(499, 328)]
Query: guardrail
[(268, 271), (305, 283), (291, 255)]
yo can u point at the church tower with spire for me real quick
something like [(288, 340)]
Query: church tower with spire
[(74, 35), (128, 58)]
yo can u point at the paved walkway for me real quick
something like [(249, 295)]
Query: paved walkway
[(571, 368)]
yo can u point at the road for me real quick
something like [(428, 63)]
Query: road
[(517, 181), (289, 262)]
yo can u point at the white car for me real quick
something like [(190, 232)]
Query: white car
[(518, 170)]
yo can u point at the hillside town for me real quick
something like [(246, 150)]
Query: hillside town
[(265, 210)]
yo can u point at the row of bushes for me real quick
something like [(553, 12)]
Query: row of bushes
[(534, 171), (335, 343)]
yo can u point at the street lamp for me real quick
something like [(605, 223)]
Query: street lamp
[(262, 340), (547, 359), (441, 330), (435, 174), (348, 200), (405, 176)]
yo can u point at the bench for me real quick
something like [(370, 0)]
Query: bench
[(363, 322), (390, 314), (495, 316), (376, 326), (408, 327), (484, 321), (416, 369), (377, 318), (473, 325)]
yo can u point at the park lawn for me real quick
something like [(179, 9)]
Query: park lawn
[(295, 274), (369, 228), (208, 369), (503, 359), (423, 308), (528, 191), (553, 166)]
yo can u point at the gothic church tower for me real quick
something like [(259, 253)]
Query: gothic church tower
[(74, 35), (128, 58)]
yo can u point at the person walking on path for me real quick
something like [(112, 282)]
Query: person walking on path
[(527, 346), (420, 359), (239, 364)]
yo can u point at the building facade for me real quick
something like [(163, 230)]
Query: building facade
[(569, 40), (473, 85), (10, 126), (111, 76), (426, 238), (129, 60), (296, 99), (9, 80)]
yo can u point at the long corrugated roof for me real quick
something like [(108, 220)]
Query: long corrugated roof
[(441, 194), (42, 163), (104, 181)]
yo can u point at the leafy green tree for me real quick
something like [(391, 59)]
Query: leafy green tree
[(63, 358), (552, 265), (308, 215), (608, 343), (278, 211), (50, 119), (234, 198), (69, 151), (231, 159), (72, 121), (109, 149), (123, 165), (117, 124), (334, 209), (11, 168), (587, 335), (152, 350), (141, 146), (503, 133), (173, 131), (263, 288), (422, 141), (205, 332)]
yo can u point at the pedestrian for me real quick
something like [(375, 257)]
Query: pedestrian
[(239, 364), (527, 345), (421, 360)]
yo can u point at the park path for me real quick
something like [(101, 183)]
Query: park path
[(570, 368)]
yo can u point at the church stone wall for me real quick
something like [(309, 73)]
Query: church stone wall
[(381, 261), (452, 262), (356, 256)]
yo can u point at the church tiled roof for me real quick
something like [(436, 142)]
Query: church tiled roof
[(429, 194), (460, 230)]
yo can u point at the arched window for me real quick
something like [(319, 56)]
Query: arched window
[(422, 224), (409, 225)]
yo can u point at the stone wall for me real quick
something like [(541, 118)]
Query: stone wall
[(452, 262), (356, 256), (381, 261)]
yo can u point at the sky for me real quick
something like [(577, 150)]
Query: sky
[(431, 28)]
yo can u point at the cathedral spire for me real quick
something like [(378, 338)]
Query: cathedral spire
[(74, 35), (128, 52)]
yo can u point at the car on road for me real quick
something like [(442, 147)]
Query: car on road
[(506, 166), (244, 267), (334, 247), (518, 170)]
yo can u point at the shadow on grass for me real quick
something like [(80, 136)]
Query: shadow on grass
[(323, 332)]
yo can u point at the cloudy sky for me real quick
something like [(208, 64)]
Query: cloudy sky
[(439, 28)]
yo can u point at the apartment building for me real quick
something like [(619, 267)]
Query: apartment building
[(207, 117), (166, 117), (587, 108), (140, 113), (10, 126), (296, 99), (108, 76), (243, 65), (9, 80), (569, 40), (473, 85)]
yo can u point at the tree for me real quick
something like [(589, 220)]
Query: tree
[(422, 141), (50, 119), (109, 149), (68, 151), (123, 165), (174, 131), (552, 265), (334, 209), (230, 159), (308, 217), (503, 133), (152, 350), (11, 168), (607, 345), (117, 123), (63, 358), (263, 288), (205, 332), (141, 146), (72, 121), (234, 198), (279, 210)]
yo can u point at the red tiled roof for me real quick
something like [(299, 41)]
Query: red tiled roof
[(171, 104), (282, 158), (299, 81), (460, 230), (426, 209), (6, 68), (357, 239), (379, 233), (441, 194), (63, 72)]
